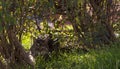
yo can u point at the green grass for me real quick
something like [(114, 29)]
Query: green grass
[(106, 58)]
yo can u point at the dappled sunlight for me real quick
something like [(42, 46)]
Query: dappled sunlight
[(59, 34), (26, 41)]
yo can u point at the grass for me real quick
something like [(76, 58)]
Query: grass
[(106, 58)]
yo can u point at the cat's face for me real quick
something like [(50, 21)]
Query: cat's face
[(40, 47)]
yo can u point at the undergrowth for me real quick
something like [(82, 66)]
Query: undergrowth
[(108, 57), (105, 58)]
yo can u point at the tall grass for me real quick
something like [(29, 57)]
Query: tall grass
[(106, 58)]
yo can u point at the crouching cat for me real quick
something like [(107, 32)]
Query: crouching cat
[(44, 45)]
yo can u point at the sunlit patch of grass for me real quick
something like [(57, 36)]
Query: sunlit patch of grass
[(26, 41)]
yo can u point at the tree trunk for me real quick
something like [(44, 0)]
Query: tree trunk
[(12, 51)]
